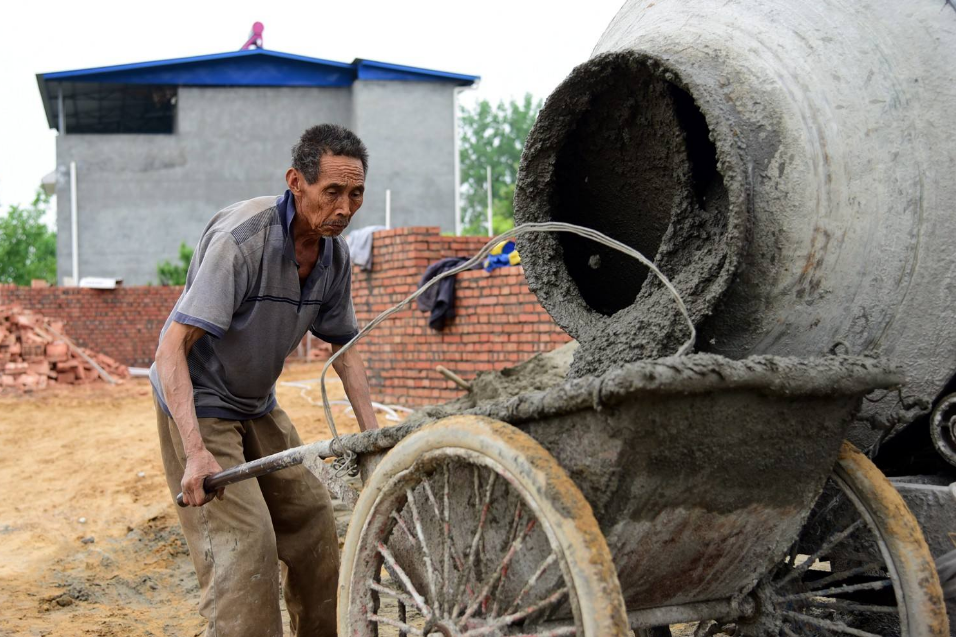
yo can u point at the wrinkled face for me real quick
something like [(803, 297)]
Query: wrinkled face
[(327, 206)]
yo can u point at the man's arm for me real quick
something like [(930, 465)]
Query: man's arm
[(351, 370), (177, 387)]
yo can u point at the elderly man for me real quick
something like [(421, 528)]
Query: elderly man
[(265, 271)]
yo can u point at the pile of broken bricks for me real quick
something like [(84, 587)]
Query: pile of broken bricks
[(35, 352)]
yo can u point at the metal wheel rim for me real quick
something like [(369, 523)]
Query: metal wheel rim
[(765, 592), (888, 562), (845, 487), (392, 497)]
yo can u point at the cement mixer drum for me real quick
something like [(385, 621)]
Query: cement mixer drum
[(791, 167)]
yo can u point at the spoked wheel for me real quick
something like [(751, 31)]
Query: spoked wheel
[(468, 527), (860, 567)]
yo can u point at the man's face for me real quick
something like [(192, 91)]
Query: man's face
[(327, 205)]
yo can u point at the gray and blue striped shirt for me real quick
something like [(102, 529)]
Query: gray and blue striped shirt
[(243, 289)]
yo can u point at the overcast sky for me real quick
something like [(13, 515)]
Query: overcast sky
[(516, 46)]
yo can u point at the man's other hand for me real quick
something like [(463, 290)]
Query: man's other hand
[(198, 467)]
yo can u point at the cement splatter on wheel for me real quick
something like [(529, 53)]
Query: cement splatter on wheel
[(469, 527)]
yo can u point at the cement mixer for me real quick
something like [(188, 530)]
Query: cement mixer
[(792, 166)]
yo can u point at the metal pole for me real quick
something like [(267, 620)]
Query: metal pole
[(371, 441), (388, 209), (491, 228), (75, 243), (457, 143)]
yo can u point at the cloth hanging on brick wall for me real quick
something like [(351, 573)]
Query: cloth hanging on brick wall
[(439, 300), (360, 245)]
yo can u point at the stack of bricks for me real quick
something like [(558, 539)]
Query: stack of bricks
[(34, 353), (499, 322)]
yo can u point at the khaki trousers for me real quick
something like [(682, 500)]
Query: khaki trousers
[(236, 544)]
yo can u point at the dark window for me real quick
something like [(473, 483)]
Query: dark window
[(117, 108)]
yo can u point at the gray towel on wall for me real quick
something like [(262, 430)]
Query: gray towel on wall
[(360, 245)]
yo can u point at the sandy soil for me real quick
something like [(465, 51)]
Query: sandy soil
[(89, 542)]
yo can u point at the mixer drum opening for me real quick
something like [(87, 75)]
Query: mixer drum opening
[(626, 146), (638, 153)]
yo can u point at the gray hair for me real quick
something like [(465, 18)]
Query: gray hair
[(326, 139)]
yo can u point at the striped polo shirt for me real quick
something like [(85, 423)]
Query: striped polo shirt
[(243, 289)]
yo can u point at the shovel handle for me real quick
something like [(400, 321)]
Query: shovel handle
[(254, 469), (208, 486)]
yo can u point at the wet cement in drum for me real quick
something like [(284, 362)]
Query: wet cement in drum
[(621, 147)]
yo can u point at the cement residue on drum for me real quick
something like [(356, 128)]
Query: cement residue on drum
[(622, 147)]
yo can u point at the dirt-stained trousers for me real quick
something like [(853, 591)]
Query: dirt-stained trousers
[(236, 544)]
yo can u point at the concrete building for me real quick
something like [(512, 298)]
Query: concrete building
[(158, 147)]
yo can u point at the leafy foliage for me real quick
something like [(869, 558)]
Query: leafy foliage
[(493, 136), (27, 245), (175, 273)]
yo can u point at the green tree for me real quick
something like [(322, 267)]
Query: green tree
[(27, 245), (492, 136), (175, 273)]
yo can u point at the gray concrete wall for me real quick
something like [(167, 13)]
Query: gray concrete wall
[(140, 196), (409, 130)]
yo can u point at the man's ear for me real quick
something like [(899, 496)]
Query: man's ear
[(293, 179)]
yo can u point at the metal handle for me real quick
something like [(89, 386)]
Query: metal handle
[(254, 469), (207, 487)]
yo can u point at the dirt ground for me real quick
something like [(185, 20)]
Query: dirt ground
[(89, 542)]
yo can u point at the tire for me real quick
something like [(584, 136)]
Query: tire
[(409, 544), (902, 544)]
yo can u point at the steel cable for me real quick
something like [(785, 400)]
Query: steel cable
[(346, 461)]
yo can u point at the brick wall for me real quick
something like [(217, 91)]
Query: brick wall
[(123, 323), (499, 321)]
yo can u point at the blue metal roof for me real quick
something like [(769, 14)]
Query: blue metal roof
[(255, 67), (372, 70)]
